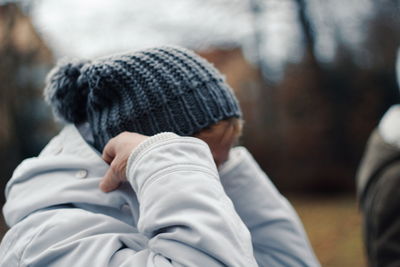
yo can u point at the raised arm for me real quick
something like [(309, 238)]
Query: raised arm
[(184, 211)]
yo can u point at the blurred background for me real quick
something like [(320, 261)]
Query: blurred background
[(313, 77)]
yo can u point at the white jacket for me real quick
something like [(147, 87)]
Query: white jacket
[(176, 210)]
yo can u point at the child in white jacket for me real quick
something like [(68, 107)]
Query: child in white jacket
[(167, 190)]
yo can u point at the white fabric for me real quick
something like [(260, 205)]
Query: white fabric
[(186, 216), (389, 126)]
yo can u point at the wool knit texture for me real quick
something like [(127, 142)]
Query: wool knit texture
[(165, 89)]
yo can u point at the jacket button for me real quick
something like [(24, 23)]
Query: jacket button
[(81, 174)]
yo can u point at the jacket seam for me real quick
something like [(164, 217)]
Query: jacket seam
[(162, 173), (153, 140), (165, 143), (23, 251)]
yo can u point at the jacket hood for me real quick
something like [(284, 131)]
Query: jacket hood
[(382, 150), (67, 172), (389, 126)]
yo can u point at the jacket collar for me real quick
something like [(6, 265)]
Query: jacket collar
[(54, 178)]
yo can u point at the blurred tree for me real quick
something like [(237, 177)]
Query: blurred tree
[(308, 33), (24, 61), (325, 110)]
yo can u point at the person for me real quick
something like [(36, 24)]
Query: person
[(144, 174), (378, 180), (378, 188)]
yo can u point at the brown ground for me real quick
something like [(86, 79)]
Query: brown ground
[(333, 226), (334, 229)]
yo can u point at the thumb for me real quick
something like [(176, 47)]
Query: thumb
[(109, 151), (111, 180)]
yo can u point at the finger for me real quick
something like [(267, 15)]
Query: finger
[(110, 181), (109, 151)]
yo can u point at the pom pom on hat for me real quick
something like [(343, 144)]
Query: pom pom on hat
[(66, 91)]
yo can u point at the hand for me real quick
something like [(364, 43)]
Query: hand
[(116, 153), (220, 137)]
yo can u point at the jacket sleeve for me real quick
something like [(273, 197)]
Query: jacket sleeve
[(184, 211), (277, 233)]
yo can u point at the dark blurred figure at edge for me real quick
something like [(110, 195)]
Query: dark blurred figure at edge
[(378, 190)]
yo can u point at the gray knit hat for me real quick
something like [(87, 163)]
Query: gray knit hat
[(148, 92)]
